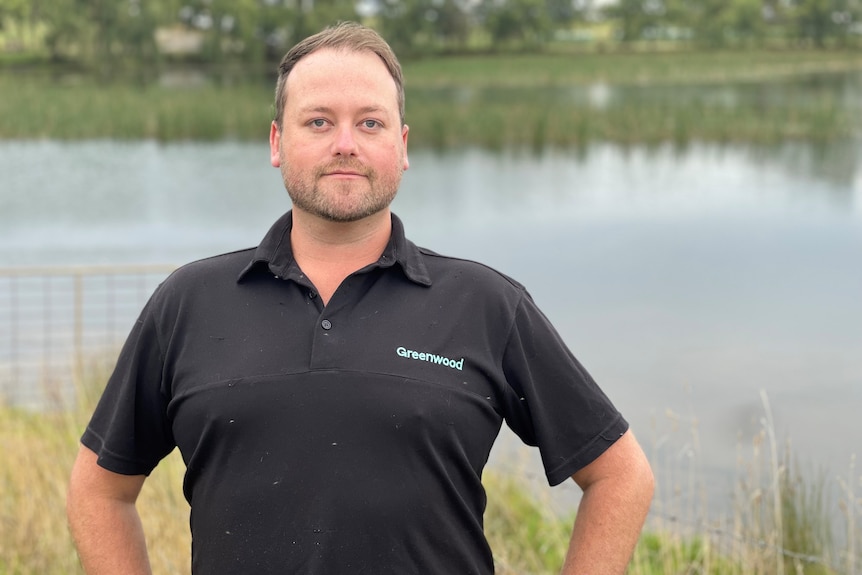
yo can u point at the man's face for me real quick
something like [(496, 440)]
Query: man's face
[(341, 148)]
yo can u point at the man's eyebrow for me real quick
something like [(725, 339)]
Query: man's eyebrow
[(373, 109), (318, 109)]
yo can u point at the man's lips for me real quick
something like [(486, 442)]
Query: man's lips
[(344, 174)]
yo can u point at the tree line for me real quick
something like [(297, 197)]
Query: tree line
[(102, 33)]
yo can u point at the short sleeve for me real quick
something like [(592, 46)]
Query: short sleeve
[(129, 430), (555, 404)]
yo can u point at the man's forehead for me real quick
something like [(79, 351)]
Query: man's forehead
[(326, 68), (333, 56)]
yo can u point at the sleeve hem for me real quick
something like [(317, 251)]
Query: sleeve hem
[(590, 453), (112, 461)]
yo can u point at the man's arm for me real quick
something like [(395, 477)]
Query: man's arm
[(618, 488), (105, 524)]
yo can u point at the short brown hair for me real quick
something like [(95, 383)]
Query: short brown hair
[(348, 36)]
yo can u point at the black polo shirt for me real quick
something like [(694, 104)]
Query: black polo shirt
[(348, 438)]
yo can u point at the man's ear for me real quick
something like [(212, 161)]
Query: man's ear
[(274, 145), (404, 130)]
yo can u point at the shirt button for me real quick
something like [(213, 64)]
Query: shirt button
[(326, 324), (312, 294)]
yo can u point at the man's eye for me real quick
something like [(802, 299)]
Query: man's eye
[(318, 123), (371, 124)]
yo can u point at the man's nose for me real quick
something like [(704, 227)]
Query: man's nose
[(345, 141)]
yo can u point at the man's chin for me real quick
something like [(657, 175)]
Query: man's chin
[(342, 215), (348, 217)]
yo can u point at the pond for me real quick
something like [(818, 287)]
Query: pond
[(688, 281)]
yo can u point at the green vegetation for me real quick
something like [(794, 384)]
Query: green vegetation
[(780, 521), (42, 108), (494, 73), (714, 67), (104, 37), (489, 101)]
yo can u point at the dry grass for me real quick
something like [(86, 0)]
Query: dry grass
[(36, 458), (780, 520), (37, 455)]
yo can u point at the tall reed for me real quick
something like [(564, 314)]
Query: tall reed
[(494, 103)]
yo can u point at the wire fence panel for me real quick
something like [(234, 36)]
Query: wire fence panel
[(55, 320)]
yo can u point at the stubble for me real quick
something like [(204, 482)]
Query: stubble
[(340, 200)]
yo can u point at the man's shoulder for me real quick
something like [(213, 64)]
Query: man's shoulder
[(443, 267), (217, 268)]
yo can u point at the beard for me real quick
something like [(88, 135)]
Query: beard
[(341, 200)]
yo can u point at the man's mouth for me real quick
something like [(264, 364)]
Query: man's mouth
[(344, 173)]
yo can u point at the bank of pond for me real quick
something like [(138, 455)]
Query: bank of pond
[(492, 102)]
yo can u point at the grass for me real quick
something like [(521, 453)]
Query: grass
[(38, 451), (529, 538), (780, 522), (34, 108), (491, 102)]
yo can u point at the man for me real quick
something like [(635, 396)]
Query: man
[(336, 391)]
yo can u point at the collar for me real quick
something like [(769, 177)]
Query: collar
[(275, 253)]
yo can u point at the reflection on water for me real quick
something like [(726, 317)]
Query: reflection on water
[(168, 202), (686, 280)]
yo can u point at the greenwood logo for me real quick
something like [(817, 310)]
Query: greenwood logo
[(431, 357)]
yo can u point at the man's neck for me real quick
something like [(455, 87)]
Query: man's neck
[(327, 252)]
